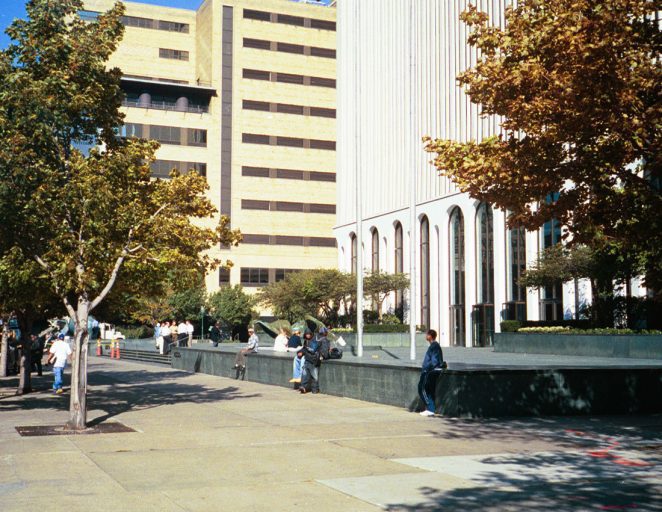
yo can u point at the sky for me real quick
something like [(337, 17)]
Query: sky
[(10, 9)]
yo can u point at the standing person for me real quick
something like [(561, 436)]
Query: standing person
[(315, 351), (189, 332), (280, 343), (166, 334), (253, 343), (37, 348), (433, 363), (58, 355), (157, 336), (182, 334), (215, 334), (173, 333), (296, 344)]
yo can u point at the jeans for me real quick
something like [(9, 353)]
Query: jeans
[(57, 372), (426, 388), (310, 375), (297, 367)]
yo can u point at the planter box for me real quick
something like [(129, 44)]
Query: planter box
[(589, 345)]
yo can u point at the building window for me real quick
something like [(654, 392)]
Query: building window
[(197, 137), (284, 108), (323, 144), (223, 276), (251, 14), (89, 15), (166, 134), (322, 176), (322, 208), (289, 174), (173, 26), (326, 53), (292, 142), (259, 44), (483, 312), (323, 82), (262, 106), (129, 130), (323, 112), (457, 330), (254, 276), (167, 53), (255, 172), (323, 24), (282, 273), (399, 265), (353, 262), (286, 19), (253, 138), (551, 302), (252, 204), (290, 48), (375, 250), (289, 78), (163, 168), (425, 271), (515, 308), (256, 74)]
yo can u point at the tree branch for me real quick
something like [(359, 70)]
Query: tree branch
[(67, 304)]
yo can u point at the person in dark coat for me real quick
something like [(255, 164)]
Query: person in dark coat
[(37, 355), (215, 334), (314, 353), (433, 363)]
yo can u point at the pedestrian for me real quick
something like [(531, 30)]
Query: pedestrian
[(189, 332), (433, 363), (166, 334), (297, 363), (182, 334), (251, 348), (314, 354), (215, 334), (37, 347), (157, 335), (58, 355), (280, 343), (173, 333)]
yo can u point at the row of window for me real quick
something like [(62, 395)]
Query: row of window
[(551, 305), (299, 49), (164, 102), (292, 142), (286, 108), (299, 241), (287, 19), (287, 206), (289, 78), (136, 21), (163, 168), (287, 174), (169, 53), (251, 276), (166, 134)]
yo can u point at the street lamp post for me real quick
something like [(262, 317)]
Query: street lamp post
[(202, 323)]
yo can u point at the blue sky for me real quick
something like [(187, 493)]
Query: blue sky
[(10, 9)]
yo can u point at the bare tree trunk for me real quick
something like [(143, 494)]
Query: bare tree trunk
[(4, 348), (25, 380), (78, 402)]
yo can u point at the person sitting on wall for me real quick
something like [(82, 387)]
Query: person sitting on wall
[(295, 344), (433, 363), (253, 343), (280, 343)]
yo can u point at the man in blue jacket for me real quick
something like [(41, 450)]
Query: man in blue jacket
[(433, 363)]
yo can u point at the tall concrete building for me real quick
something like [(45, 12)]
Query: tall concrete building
[(244, 92), (397, 69)]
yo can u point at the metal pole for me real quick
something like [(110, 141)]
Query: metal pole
[(358, 174), (413, 224)]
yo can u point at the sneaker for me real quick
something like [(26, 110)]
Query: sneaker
[(59, 391), (303, 391), (426, 413)]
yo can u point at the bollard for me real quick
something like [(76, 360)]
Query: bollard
[(117, 349), (99, 352), (112, 349)]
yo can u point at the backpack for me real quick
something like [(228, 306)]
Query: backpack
[(335, 353)]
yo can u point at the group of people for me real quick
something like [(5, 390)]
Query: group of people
[(309, 352), (172, 333)]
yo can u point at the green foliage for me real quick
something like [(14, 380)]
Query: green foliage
[(232, 306), (140, 332), (389, 319), (186, 304), (379, 285), (602, 331), (576, 83), (510, 325), (385, 328)]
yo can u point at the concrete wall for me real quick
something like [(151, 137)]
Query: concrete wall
[(466, 393), (627, 346)]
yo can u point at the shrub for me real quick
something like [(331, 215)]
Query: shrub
[(389, 319), (139, 332), (599, 331), (385, 328), (510, 325)]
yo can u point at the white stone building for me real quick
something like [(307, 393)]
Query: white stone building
[(397, 65)]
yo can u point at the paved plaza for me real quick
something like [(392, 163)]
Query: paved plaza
[(204, 443)]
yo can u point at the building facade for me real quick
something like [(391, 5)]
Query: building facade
[(244, 92), (397, 69)]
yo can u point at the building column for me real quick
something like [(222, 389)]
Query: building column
[(532, 294), (500, 261), (443, 283), (470, 264)]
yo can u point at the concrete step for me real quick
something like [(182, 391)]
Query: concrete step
[(144, 356)]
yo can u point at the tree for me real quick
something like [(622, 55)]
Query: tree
[(309, 292), (577, 86), (232, 306), (91, 222), (379, 285)]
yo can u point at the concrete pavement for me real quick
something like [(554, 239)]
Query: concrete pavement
[(205, 443)]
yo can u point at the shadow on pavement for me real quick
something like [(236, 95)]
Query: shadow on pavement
[(117, 391)]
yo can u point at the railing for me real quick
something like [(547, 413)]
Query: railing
[(482, 320), (167, 105)]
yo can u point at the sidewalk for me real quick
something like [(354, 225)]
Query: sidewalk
[(205, 443)]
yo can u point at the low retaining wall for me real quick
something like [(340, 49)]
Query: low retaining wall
[(589, 345), (476, 392)]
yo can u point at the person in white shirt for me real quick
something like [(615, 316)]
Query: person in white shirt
[(167, 338), (253, 343), (189, 331), (280, 343), (58, 355), (182, 334)]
